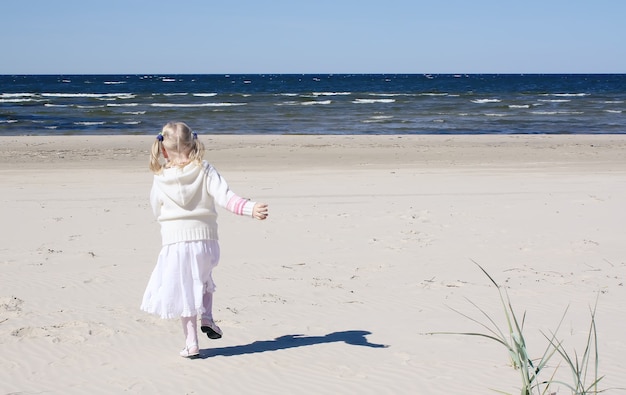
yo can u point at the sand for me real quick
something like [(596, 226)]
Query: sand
[(371, 243)]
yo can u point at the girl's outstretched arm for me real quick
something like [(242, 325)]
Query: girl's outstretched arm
[(218, 188)]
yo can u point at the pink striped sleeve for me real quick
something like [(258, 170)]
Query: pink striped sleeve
[(236, 204)]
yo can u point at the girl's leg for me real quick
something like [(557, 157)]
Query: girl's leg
[(190, 329), (207, 303), (207, 324)]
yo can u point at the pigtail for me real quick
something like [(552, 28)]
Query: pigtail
[(155, 155), (197, 149)]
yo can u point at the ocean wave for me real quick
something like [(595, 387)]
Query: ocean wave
[(483, 101), (197, 105), (122, 104), (205, 94), (16, 100), (88, 107), (492, 114), (331, 93), (175, 94), (91, 95), (568, 94), (164, 79), (93, 123), (433, 94), (131, 122), (134, 112), (614, 111), (56, 105), (16, 95), (308, 103), (557, 112), (519, 106), (378, 119), (390, 94), (114, 82), (8, 121), (372, 101), (554, 100)]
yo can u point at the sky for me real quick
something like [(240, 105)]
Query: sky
[(311, 36)]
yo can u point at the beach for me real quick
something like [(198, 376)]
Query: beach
[(371, 245)]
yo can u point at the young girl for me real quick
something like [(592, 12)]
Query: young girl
[(183, 197)]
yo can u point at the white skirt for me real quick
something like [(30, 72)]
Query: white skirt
[(181, 278)]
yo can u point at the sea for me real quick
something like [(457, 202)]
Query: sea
[(307, 104)]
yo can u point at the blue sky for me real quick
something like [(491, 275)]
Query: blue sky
[(312, 36)]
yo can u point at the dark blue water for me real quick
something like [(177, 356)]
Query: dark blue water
[(314, 104)]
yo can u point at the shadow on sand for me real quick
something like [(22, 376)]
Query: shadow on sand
[(355, 338)]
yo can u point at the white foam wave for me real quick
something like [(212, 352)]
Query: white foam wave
[(557, 112), (554, 100), (495, 115), (613, 102), (91, 95), (308, 103), (56, 105), (122, 104), (15, 100), (176, 94), (15, 95), (433, 94), (614, 111), (390, 94), (168, 79), (114, 82), (483, 101), (89, 123), (197, 105), (8, 121), (331, 93), (288, 94), (372, 101), (378, 118), (519, 106), (569, 94), (134, 112), (132, 123), (205, 94), (90, 106)]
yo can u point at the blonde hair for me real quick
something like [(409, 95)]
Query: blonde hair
[(176, 138)]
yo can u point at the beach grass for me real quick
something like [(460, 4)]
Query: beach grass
[(583, 368)]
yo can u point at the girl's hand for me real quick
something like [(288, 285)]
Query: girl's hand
[(260, 211)]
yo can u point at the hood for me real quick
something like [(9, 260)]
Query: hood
[(181, 185)]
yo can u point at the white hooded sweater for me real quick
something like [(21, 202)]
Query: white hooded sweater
[(183, 201)]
